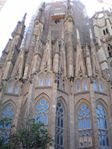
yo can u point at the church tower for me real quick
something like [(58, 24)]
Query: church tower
[(56, 79)]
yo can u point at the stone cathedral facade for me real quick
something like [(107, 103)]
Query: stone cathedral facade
[(50, 76)]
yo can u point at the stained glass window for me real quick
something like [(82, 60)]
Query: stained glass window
[(84, 127), (101, 86), (5, 124), (8, 113), (16, 88), (102, 125), (48, 82), (78, 85), (42, 111), (59, 136), (10, 87), (85, 86), (95, 87), (41, 82)]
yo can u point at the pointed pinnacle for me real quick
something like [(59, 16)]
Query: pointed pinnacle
[(57, 46), (87, 50), (68, 7), (68, 3), (90, 33), (78, 36), (24, 17)]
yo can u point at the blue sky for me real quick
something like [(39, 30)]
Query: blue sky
[(14, 10)]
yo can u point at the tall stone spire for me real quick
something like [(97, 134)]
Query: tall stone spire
[(24, 18), (88, 61), (40, 15), (28, 63), (18, 33), (69, 11), (20, 62), (36, 45), (17, 36), (47, 55), (56, 58), (63, 54), (38, 30), (39, 20), (5, 53), (103, 62), (95, 63), (80, 65), (78, 38), (68, 33)]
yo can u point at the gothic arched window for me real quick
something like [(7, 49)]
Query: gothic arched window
[(41, 82), (85, 85), (16, 88), (48, 82), (7, 113), (101, 86), (102, 125), (84, 127), (78, 86), (42, 111), (95, 87), (59, 134), (10, 87)]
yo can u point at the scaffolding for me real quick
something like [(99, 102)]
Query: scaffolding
[(54, 16)]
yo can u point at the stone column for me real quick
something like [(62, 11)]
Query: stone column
[(17, 114), (36, 64), (8, 70), (53, 103), (110, 115), (71, 118), (30, 97), (93, 118)]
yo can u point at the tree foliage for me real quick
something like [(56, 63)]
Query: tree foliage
[(4, 133), (32, 136)]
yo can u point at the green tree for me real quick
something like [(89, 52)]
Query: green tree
[(32, 136), (4, 132)]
